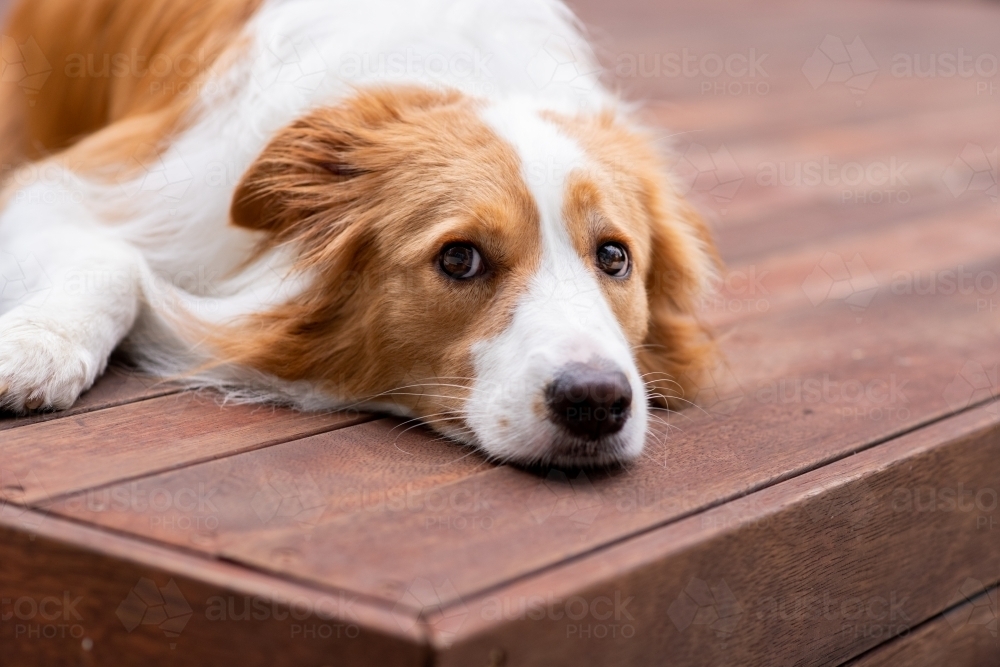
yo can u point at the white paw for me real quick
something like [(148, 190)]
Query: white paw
[(40, 367)]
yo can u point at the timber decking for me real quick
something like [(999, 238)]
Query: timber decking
[(833, 500)]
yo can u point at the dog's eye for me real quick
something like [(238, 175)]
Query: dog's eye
[(612, 258), (461, 261)]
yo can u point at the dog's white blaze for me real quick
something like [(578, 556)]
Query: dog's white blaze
[(563, 317)]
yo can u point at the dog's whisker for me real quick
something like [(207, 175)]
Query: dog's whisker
[(427, 419), (396, 391), (682, 415), (425, 423), (664, 422), (447, 397), (665, 380)]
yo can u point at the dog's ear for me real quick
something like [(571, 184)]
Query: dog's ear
[(315, 170), (294, 178), (678, 349)]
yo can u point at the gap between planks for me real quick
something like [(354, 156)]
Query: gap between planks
[(791, 475)]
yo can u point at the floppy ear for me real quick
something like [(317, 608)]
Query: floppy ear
[(678, 349), (296, 176), (317, 170)]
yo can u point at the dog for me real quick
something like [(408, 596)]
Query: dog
[(429, 209)]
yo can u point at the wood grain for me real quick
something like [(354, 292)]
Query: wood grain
[(284, 490), (906, 260), (118, 386), (58, 457), (964, 636), (70, 597), (815, 570), (501, 523)]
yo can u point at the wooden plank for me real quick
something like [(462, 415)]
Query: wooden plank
[(964, 635), (803, 176), (118, 386), (902, 260), (215, 507), (74, 595), (815, 570), (58, 457), (498, 528)]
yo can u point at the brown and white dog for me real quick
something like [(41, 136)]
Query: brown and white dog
[(428, 208)]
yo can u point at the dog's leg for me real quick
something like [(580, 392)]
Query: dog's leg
[(70, 294)]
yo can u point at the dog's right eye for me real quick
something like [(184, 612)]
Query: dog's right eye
[(461, 261)]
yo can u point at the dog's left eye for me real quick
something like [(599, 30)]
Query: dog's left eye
[(461, 261), (613, 259)]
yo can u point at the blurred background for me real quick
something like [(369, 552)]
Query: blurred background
[(765, 84)]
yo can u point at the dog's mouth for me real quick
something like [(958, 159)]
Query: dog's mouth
[(579, 453)]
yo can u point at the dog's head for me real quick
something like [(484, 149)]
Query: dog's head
[(521, 280)]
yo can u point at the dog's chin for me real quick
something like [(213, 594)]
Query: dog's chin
[(581, 453), (551, 448)]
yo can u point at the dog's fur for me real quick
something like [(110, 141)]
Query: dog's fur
[(254, 195)]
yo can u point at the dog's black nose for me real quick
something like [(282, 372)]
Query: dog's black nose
[(590, 400)]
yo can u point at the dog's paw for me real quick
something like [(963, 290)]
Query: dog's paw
[(41, 369)]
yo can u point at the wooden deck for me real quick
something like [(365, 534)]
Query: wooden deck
[(833, 502)]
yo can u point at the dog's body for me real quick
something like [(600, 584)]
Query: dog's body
[(429, 208)]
